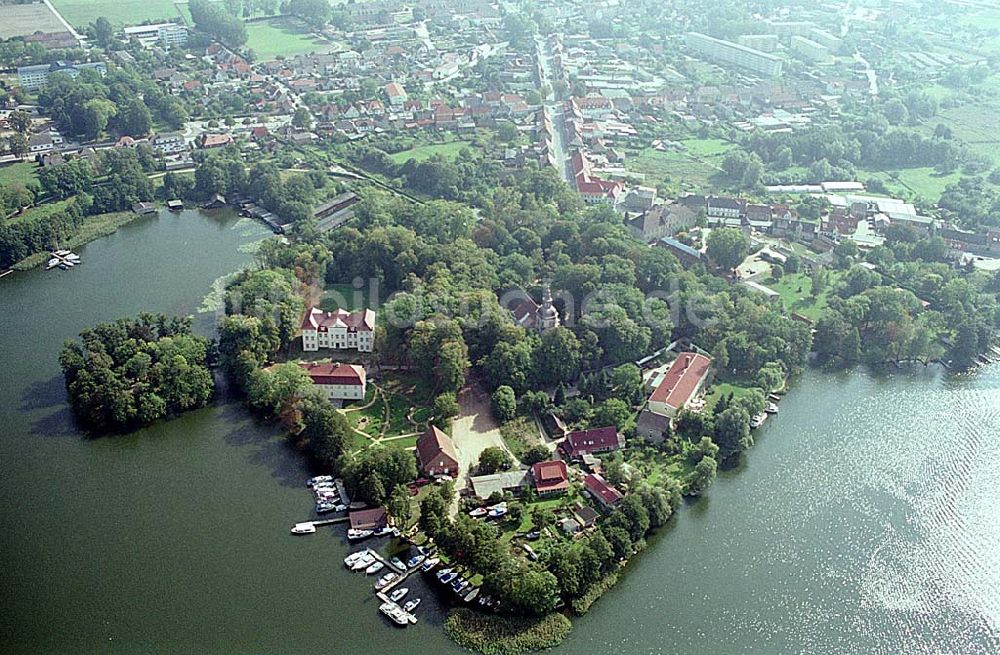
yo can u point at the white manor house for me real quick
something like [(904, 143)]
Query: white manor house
[(338, 330)]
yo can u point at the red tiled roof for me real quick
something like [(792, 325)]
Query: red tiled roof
[(433, 445), (335, 373), (359, 321), (591, 441), (598, 486), (680, 382), (550, 476)]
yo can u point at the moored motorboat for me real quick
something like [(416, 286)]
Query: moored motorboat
[(364, 562), (394, 612), (772, 408), (411, 604), (397, 594), (479, 512), (357, 535), (758, 420), (375, 567), (430, 564), (353, 558), (303, 528), (386, 580)]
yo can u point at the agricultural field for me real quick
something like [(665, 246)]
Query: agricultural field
[(924, 183), (283, 37), (22, 20), (422, 153), (80, 13)]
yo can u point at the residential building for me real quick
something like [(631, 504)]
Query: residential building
[(436, 453), (809, 50), (39, 144), (209, 141), (727, 52), (602, 491), (396, 94), (165, 34), (168, 143), (684, 380), (590, 442), (35, 77), (550, 478), (652, 426), (338, 330), (338, 381), (762, 42)]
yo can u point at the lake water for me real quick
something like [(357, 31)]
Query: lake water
[(864, 521)]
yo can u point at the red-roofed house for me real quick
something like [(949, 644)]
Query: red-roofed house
[(338, 381), (684, 380), (601, 490), (208, 141), (396, 94), (589, 442), (436, 453), (550, 477), (592, 189), (338, 330)]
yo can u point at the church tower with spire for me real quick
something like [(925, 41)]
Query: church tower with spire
[(547, 316)]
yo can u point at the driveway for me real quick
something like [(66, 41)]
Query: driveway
[(473, 431)]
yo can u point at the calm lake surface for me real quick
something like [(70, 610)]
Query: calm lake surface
[(864, 521)]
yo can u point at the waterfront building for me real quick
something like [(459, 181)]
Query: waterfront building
[(338, 381), (684, 380), (338, 330), (727, 52)]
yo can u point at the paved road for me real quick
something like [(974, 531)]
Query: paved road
[(69, 28), (555, 109)]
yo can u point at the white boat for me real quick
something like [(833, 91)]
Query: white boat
[(303, 528), (363, 563), (393, 611), (478, 512), (353, 558), (397, 594), (758, 420), (374, 568), (430, 564), (55, 261), (62, 253), (319, 478), (772, 408), (411, 604), (412, 617), (385, 580), (358, 534)]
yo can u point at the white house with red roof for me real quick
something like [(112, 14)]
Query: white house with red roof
[(591, 442), (396, 94), (684, 380), (602, 491), (594, 190), (550, 478), (338, 381), (338, 330)]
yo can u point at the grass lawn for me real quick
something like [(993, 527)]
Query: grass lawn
[(681, 171), (796, 293), (721, 389), (344, 296), (24, 173), (283, 37), (519, 435), (386, 417), (421, 153), (922, 182), (707, 147), (120, 12)]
